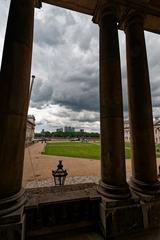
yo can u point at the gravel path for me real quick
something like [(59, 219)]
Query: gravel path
[(69, 180)]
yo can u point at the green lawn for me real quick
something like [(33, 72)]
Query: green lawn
[(158, 150), (73, 149), (82, 150)]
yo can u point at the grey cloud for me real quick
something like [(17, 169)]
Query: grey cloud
[(4, 9), (81, 38), (50, 30), (41, 94), (65, 62), (89, 117), (78, 104), (152, 43), (39, 123), (48, 36), (80, 92), (72, 78)]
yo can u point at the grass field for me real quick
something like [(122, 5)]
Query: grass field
[(73, 149), (83, 150)]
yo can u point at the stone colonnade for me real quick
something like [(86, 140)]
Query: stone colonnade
[(14, 93), (144, 171)]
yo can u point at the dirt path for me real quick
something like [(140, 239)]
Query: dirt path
[(39, 167)]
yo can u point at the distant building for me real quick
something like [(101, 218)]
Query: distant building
[(157, 130), (30, 130), (81, 130), (127, 136), (59, 130), (69, 129), (156, 125)]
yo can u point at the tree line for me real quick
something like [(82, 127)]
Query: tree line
[(47, 134)]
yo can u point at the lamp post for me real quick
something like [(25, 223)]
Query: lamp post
[(59, 174)]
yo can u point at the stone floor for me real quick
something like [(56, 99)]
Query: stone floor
[(81, 236), (149, 235), (152, 235)]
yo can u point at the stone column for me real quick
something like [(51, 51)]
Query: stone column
[(113, 176), (144, 169), (14, 94)]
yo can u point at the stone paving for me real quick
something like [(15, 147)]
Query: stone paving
[(69, 180)]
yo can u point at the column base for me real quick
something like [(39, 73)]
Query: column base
[(12, 226), (119, 219), (114, 192), (141, 188), (12, 203)]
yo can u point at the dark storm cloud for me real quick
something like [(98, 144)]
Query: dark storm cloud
[(41, 94), (66, 65), (80, 92), (68, 52), (79, 103)]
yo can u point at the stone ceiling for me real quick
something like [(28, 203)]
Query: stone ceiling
[(151, 9)]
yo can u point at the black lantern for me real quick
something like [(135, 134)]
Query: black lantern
[(59, 174)]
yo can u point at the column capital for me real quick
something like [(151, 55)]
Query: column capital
[(104, 8), (131, 16), (38, 3)]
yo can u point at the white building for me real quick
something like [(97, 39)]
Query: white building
[(126, 131), (156, 124), (157, 131), (30, 130)]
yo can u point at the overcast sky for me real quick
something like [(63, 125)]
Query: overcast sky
[(66, 65)]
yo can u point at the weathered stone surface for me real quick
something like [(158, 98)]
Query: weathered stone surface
[(144, 169), (113, 184), (120, 220), (153, 212), (13, 227), (59, 209), (15, 81), (140, 108), (150, 8)]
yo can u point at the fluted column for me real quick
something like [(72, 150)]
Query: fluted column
[(144, 169), (14, 93), (113, 176)]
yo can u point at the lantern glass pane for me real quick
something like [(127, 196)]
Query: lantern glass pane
[(59, 176)]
